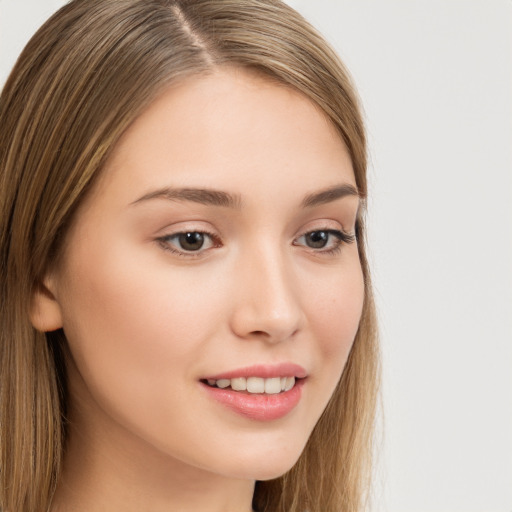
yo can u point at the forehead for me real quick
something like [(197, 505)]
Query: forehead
[(233, 130)]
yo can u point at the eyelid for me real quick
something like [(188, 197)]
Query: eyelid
[(342, 236), (164, 242)]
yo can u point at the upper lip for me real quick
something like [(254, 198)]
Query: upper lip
[(265, 371)]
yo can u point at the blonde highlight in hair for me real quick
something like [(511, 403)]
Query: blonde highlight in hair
[(80, 82)]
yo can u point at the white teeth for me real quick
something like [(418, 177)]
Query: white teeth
[(290, 382), (255, 385), (239, 384), (271, 386)]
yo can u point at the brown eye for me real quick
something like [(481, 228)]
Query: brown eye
[(191, 241), (316, 239), (326, 241)]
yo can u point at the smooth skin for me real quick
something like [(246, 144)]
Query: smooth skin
[(148, 312)]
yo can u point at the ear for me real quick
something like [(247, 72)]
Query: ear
[(45, 312)]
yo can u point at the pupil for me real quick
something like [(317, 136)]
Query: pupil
[(191, 241), (317, 239)]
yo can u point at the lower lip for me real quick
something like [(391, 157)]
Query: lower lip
[(260, 407)]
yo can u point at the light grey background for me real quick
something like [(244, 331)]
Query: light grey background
[(435, 77)]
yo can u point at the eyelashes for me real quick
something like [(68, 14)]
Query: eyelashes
[(191, 241), (191, 244), (326, 241), (194, 244)]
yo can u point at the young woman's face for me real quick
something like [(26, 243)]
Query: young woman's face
[(216, 250)]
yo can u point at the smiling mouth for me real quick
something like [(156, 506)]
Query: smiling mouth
[(254, 385)]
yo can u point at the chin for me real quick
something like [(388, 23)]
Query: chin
[(269, 463)]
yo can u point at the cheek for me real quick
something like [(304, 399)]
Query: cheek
[(132, 328), (126, 292), (334, 306), (136, 331), (336, 311)]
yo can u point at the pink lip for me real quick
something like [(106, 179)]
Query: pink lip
[(260, 407), (264, 371)]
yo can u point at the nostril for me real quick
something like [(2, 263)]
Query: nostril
[(259, 333), (274, 317)]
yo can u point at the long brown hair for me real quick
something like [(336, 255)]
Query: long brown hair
[(80, 82)]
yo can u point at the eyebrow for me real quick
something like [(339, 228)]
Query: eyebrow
[(211, 197), (329, 195), (196, 195)]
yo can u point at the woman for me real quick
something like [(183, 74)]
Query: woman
[(187, 317)]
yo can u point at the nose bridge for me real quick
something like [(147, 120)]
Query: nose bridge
[(268, 304)]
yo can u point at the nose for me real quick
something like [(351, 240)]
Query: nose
[(267, 301)]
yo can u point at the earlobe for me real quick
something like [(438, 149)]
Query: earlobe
[(45, 311)]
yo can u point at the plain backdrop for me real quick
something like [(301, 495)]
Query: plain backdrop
[(435, 77)]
